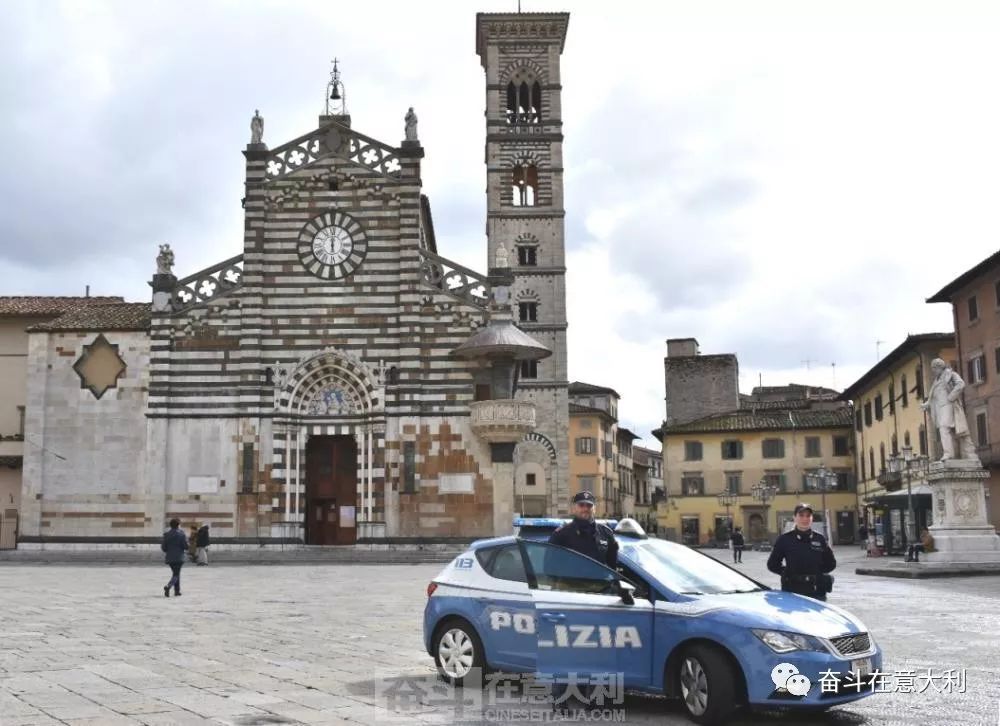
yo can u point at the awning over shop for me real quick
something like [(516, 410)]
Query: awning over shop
[(898, 497)]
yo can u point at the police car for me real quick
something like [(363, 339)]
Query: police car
[(671, 621)]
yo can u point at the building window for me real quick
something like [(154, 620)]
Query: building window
[(878, 407), (409, 467), (524, 103), (20, 422), (982, 437), (922, 440), (529, 480), (586, 483), (609, 450), (812, 447), (996, 291), (892, 397), (996, 359), (881, 457), (527, 256), (773, 448), (977, 369), (524, 185), (863, 474), (871, 460), (248, 469), (973, 309), (586, 445), (868, 413), (692, 485), (894, 445), (776, 479), (692, 451), (733, 482), (920, 383), (857, 420), (906, 439), (905, 395), (528, 312), (483, 392), (844, 481), (732, 449), (529, 369), (841, 446)]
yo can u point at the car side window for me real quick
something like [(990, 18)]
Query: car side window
[(642, 588), (557, 568), (508, 565)]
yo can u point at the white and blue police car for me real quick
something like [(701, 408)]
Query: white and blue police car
[(670, 620)]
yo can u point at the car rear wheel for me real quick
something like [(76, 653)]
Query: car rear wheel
[(458, 653), (707, 685)]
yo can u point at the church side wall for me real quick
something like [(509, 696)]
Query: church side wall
[(88, 477)]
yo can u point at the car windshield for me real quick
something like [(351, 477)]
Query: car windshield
[(686, 571)]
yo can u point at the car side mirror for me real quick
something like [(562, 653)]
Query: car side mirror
[(626, 590)]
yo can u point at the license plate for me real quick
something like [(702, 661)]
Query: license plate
[(861, 667)]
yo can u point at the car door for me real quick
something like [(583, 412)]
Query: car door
[(508, 614), (584, 627)]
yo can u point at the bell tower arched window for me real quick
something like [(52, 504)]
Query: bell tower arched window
[(525, 185), (524, 102)]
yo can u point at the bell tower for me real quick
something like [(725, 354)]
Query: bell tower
[(520, 53)]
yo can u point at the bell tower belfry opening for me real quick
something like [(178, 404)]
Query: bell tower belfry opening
[(520, 53)]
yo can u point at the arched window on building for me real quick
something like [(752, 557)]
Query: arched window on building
[(906, 440), (881, 455), (905, 393), (524, 102), (922, 440), (525, 185), (894, 445)]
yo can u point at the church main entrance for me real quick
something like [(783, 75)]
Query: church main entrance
[(331, 490)]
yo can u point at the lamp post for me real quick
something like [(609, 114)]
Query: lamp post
[(906, 463), (728, 499), (764, 492), (823, 480)]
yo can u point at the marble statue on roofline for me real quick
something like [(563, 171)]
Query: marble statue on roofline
[(165, 261), (411, 125), (256, 128)]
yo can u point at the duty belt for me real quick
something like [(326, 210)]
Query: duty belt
[(809, 579)]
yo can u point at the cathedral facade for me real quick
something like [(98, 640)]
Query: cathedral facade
[(340, 380)]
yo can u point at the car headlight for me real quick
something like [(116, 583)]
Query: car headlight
[(781, 642)]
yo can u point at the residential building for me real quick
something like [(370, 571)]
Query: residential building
[(648, 468), (626, 472), (975, 301), (593, 455), (716, 440), (888, 418)]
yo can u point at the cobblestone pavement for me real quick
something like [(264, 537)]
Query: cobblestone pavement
[(330, 644)]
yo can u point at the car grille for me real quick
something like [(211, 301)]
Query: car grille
[(850, 644)]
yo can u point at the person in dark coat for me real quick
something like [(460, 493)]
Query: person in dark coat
[(738, 543), (201, 543), (807, 558), (585, 535), (175, 546)]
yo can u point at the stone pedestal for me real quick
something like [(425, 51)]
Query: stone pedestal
[(163, 292), (961, 531)]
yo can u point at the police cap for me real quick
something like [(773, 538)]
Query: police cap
[(584, 498), (803, 507)]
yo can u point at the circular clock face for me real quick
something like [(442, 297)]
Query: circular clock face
[(332, 245)]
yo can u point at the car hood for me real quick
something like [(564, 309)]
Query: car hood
[(770, 609)]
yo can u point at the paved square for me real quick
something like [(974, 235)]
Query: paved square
[(329, 644)]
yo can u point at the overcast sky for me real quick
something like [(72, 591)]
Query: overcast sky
[(783, 180)]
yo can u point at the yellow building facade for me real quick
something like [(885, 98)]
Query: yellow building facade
[(732, 452), (887, 418), (593, 455)]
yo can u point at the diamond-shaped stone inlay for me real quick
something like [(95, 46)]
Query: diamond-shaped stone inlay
[(100, 366)]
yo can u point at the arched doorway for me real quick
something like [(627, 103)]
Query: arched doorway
[(755, 525)]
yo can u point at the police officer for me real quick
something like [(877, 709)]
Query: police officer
[(585, 535), (807, 558)]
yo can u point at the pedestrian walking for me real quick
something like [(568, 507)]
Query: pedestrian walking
[(738, 543), (175, 546), (202, 542), (803, 558)]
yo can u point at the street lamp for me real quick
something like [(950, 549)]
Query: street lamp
[(764, 492), (824, 480), (728, 499), (906, 463)]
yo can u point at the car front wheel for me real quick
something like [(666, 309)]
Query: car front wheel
[(458, 653), (706, 683)]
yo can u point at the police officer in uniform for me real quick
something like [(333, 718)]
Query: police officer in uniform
[(807, 557), (585, 535)]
